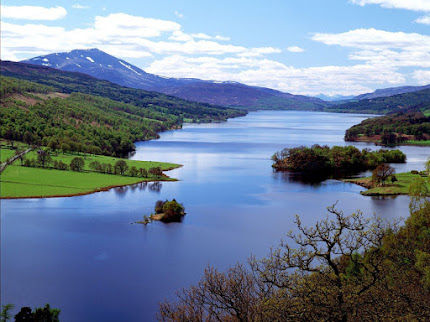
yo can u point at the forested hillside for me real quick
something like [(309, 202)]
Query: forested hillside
[(68, 82), (410, 125), (32, 113), (384, 105)]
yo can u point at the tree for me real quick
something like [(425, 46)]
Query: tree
[(143, 172), (46, 314), (77, 164), (156, 171), (133, 171), (64, 147), (121, 167), (96, 166), (24, 315), (382, 173), (43, 158), (5, 314), (159, 206)]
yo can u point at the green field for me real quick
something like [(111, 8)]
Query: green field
[(6, 154), (67, 158), (426, 143), (24, 182), (399, 187)]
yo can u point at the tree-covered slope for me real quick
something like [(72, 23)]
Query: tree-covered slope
[(384, 105), (30, 112), (411, 124), (68, 82)]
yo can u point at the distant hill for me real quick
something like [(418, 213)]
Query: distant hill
[(385, 105), (104, 66), (334, 98), (391, 91), (69, 82)]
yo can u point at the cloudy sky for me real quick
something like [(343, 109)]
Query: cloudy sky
[(344, 47)]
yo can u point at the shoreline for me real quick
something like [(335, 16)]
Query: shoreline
[(101, 189)]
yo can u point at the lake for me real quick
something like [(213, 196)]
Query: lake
[(84, 255)]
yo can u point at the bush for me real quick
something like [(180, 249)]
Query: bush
[(77, 164)]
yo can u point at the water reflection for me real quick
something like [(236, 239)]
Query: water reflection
[(121, 192), (155, 186)]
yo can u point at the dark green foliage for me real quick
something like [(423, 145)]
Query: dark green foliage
[(10, 85), (133, 171), (77, 164), (25, 315), (384, 105), (156, 171), (159, 206), (325, 160), (69, 82), (394, 127), (44, 159), (60, 165), (5, 314), (173, 211), (143, 172), (45, 314), (121, 167)]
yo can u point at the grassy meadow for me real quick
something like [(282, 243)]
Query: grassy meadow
[(24, 182), (400, 187)]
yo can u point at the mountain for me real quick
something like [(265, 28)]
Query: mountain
[(385, 105), (69, 82), (391, 91), (104, 66), (334, 98), (101, 65)]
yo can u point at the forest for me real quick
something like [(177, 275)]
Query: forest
[(76, 122), (395, 128), (323, 160), (69, 82)]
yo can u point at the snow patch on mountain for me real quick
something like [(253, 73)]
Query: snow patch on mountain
[(129, 67), (90, 59)]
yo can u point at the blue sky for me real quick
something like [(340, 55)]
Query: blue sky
[(306, 47)]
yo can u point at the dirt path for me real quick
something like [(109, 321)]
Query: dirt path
[(11, 160)]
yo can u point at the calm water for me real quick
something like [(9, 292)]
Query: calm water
[(83, 255)]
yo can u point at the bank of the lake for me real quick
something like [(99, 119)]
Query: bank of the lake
[(400, 187), (18, 181)]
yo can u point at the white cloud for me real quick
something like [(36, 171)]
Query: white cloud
[(414, 5), (131, 36), (425, 20), (295, 49), (346, 80), (375, 39), (222, 38), (178, 14), (79, 6), (422, 76), (397, 49), (33, 12), (121, 24)]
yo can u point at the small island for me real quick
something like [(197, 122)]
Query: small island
[(165, 211), (339, 161)]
